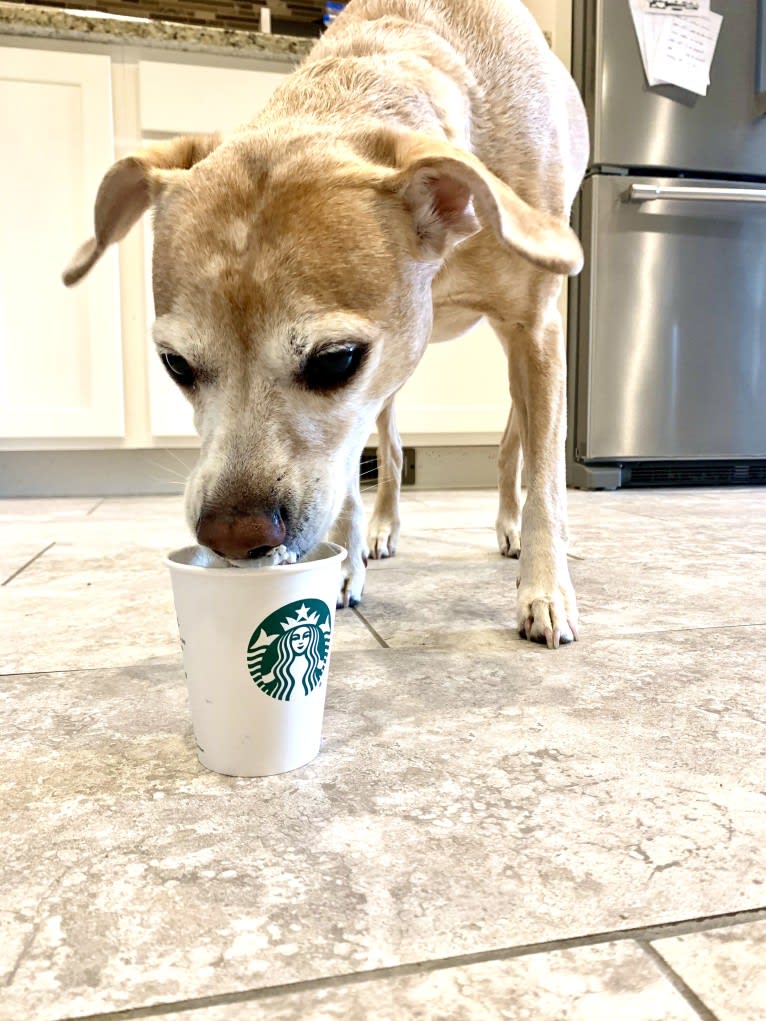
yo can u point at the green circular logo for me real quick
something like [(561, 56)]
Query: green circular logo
[(287, 653)]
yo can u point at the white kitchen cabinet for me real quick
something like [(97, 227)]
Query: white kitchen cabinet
[(60, 350)]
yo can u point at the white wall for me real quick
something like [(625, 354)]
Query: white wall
[(555, 17)]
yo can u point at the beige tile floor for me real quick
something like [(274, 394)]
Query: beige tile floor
[(492, 830)]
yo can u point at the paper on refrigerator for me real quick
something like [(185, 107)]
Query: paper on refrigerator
[(684, 51), (645, 34), (677, 42)]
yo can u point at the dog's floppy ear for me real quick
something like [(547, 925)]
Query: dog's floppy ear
[(127, 191), (452, 195)]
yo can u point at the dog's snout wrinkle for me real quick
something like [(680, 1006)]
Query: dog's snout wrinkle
[(241, 536)]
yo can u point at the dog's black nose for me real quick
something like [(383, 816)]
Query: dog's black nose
[(241, 536)]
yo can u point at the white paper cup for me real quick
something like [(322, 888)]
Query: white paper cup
[(256, 651)]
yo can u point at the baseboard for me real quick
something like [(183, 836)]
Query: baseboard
[(36, 473), (455, 467)]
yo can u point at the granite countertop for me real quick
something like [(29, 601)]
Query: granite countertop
[(52, 23)]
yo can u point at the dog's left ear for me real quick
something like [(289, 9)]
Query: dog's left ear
[(452, 195)]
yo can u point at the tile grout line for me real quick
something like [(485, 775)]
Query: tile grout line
[(590, 634), (641, 935), (80, 669), (385, 645), (694, 1001), (370, 628), (28, 563), (677, 630)]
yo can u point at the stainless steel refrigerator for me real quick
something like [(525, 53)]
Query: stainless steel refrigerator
[(667, 323)]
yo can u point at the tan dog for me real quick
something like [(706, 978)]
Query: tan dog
[(414, 174)]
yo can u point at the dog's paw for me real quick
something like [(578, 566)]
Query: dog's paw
[(547, 617), (508, 537), (352, 582), (382, 537)]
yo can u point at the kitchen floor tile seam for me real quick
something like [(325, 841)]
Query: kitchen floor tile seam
[(424, 649), (358, 613), (639, 935), (404, 560), (663, 516), (653, 632), (63, 671), (585, 637), (671, 516), (29, 562), (697, 1004)]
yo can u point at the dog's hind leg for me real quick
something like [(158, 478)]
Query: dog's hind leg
[(508, 524), (383, 533)]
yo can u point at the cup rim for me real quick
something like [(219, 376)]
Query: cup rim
[(338, 553)]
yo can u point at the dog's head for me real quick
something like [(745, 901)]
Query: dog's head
[(292, 288)]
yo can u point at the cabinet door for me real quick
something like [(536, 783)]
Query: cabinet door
[(60, 350), (178, 99)]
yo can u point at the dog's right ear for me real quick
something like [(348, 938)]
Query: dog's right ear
[(128, 189), (451, 195)]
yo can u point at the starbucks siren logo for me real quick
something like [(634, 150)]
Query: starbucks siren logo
[(290, 648)]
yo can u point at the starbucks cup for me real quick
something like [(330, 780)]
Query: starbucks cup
[(256, 651)]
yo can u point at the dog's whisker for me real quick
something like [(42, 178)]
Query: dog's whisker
[(386, 480), (173, 474), (168, 484), (170, 471), (175, 457), (375, 471)]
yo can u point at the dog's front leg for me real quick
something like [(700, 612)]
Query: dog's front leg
[(546, 605), (383, 533), (348, 531)]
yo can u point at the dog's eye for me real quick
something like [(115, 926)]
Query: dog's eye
[(178, 368), (332, 367)]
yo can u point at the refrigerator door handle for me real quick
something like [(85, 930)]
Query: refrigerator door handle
[(689, 193), (760, 60)]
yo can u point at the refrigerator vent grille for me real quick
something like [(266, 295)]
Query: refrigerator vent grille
[(695, 473)]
